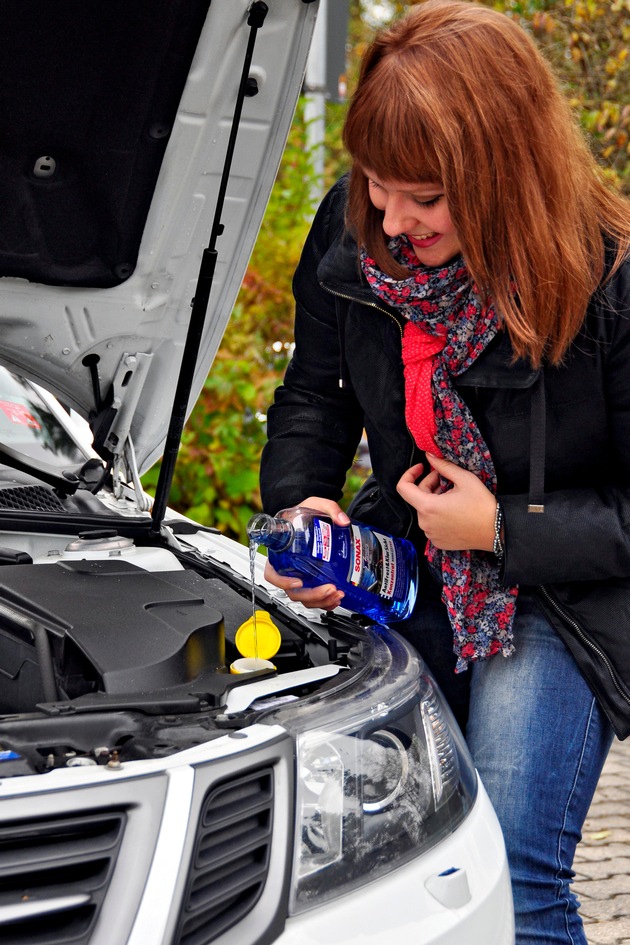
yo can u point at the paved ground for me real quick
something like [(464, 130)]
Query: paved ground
[(602, 863)]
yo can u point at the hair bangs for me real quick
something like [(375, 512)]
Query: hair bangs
[(386, 133)]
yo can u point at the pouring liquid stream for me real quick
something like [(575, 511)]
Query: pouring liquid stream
[(252, 575)]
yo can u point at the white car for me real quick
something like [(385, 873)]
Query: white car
[(147, 795)]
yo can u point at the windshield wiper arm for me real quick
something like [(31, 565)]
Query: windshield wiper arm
[(66, 481)]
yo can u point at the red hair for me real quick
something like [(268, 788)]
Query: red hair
[(458, 94)]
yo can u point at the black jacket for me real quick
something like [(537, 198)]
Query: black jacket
[(559, 437)]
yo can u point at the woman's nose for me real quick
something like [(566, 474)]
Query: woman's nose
[(398, 216)]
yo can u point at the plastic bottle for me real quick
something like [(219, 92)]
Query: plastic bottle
[(377, 572)]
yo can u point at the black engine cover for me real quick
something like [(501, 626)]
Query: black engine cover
[(112, 627)]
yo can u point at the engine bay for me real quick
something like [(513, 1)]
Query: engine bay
[(114, 650)]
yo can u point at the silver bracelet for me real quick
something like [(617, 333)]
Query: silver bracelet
[(497, 546)]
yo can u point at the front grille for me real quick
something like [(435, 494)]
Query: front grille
[(54, 874), (30, 499), (230, 857)]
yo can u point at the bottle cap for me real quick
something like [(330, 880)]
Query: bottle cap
[(267, 641), (247, 664)]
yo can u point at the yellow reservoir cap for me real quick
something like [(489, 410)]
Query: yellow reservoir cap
[(267, 634)]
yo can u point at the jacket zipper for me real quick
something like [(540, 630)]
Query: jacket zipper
[(589, 643), (351, 298)]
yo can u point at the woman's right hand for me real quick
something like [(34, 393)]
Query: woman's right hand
[(324, 596)]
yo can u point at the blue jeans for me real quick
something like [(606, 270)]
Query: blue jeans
[(539, 741)]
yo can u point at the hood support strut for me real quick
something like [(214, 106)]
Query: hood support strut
[(257, 13)]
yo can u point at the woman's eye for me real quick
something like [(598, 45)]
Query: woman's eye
[(429, 203)]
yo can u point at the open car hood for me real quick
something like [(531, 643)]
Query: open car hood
[(115, 120)]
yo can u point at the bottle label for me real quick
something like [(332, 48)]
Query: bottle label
[(372, 562), (322, 539), (359, 557)]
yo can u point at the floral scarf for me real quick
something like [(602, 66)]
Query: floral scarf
[(447, 329)]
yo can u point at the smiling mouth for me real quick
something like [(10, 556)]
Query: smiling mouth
[(424, 238)]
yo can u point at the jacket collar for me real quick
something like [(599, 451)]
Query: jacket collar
[(340, 272), (496, 367)]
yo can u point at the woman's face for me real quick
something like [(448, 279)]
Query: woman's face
[(419, 212)]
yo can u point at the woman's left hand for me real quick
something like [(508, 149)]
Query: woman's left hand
[(461, 518)]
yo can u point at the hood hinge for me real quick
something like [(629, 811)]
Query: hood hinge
[(112, 423)]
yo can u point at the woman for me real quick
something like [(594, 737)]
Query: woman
[(465, 297)]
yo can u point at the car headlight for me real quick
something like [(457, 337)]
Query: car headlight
[(382, 774)]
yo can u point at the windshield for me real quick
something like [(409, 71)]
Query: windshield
[(27, 424)]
